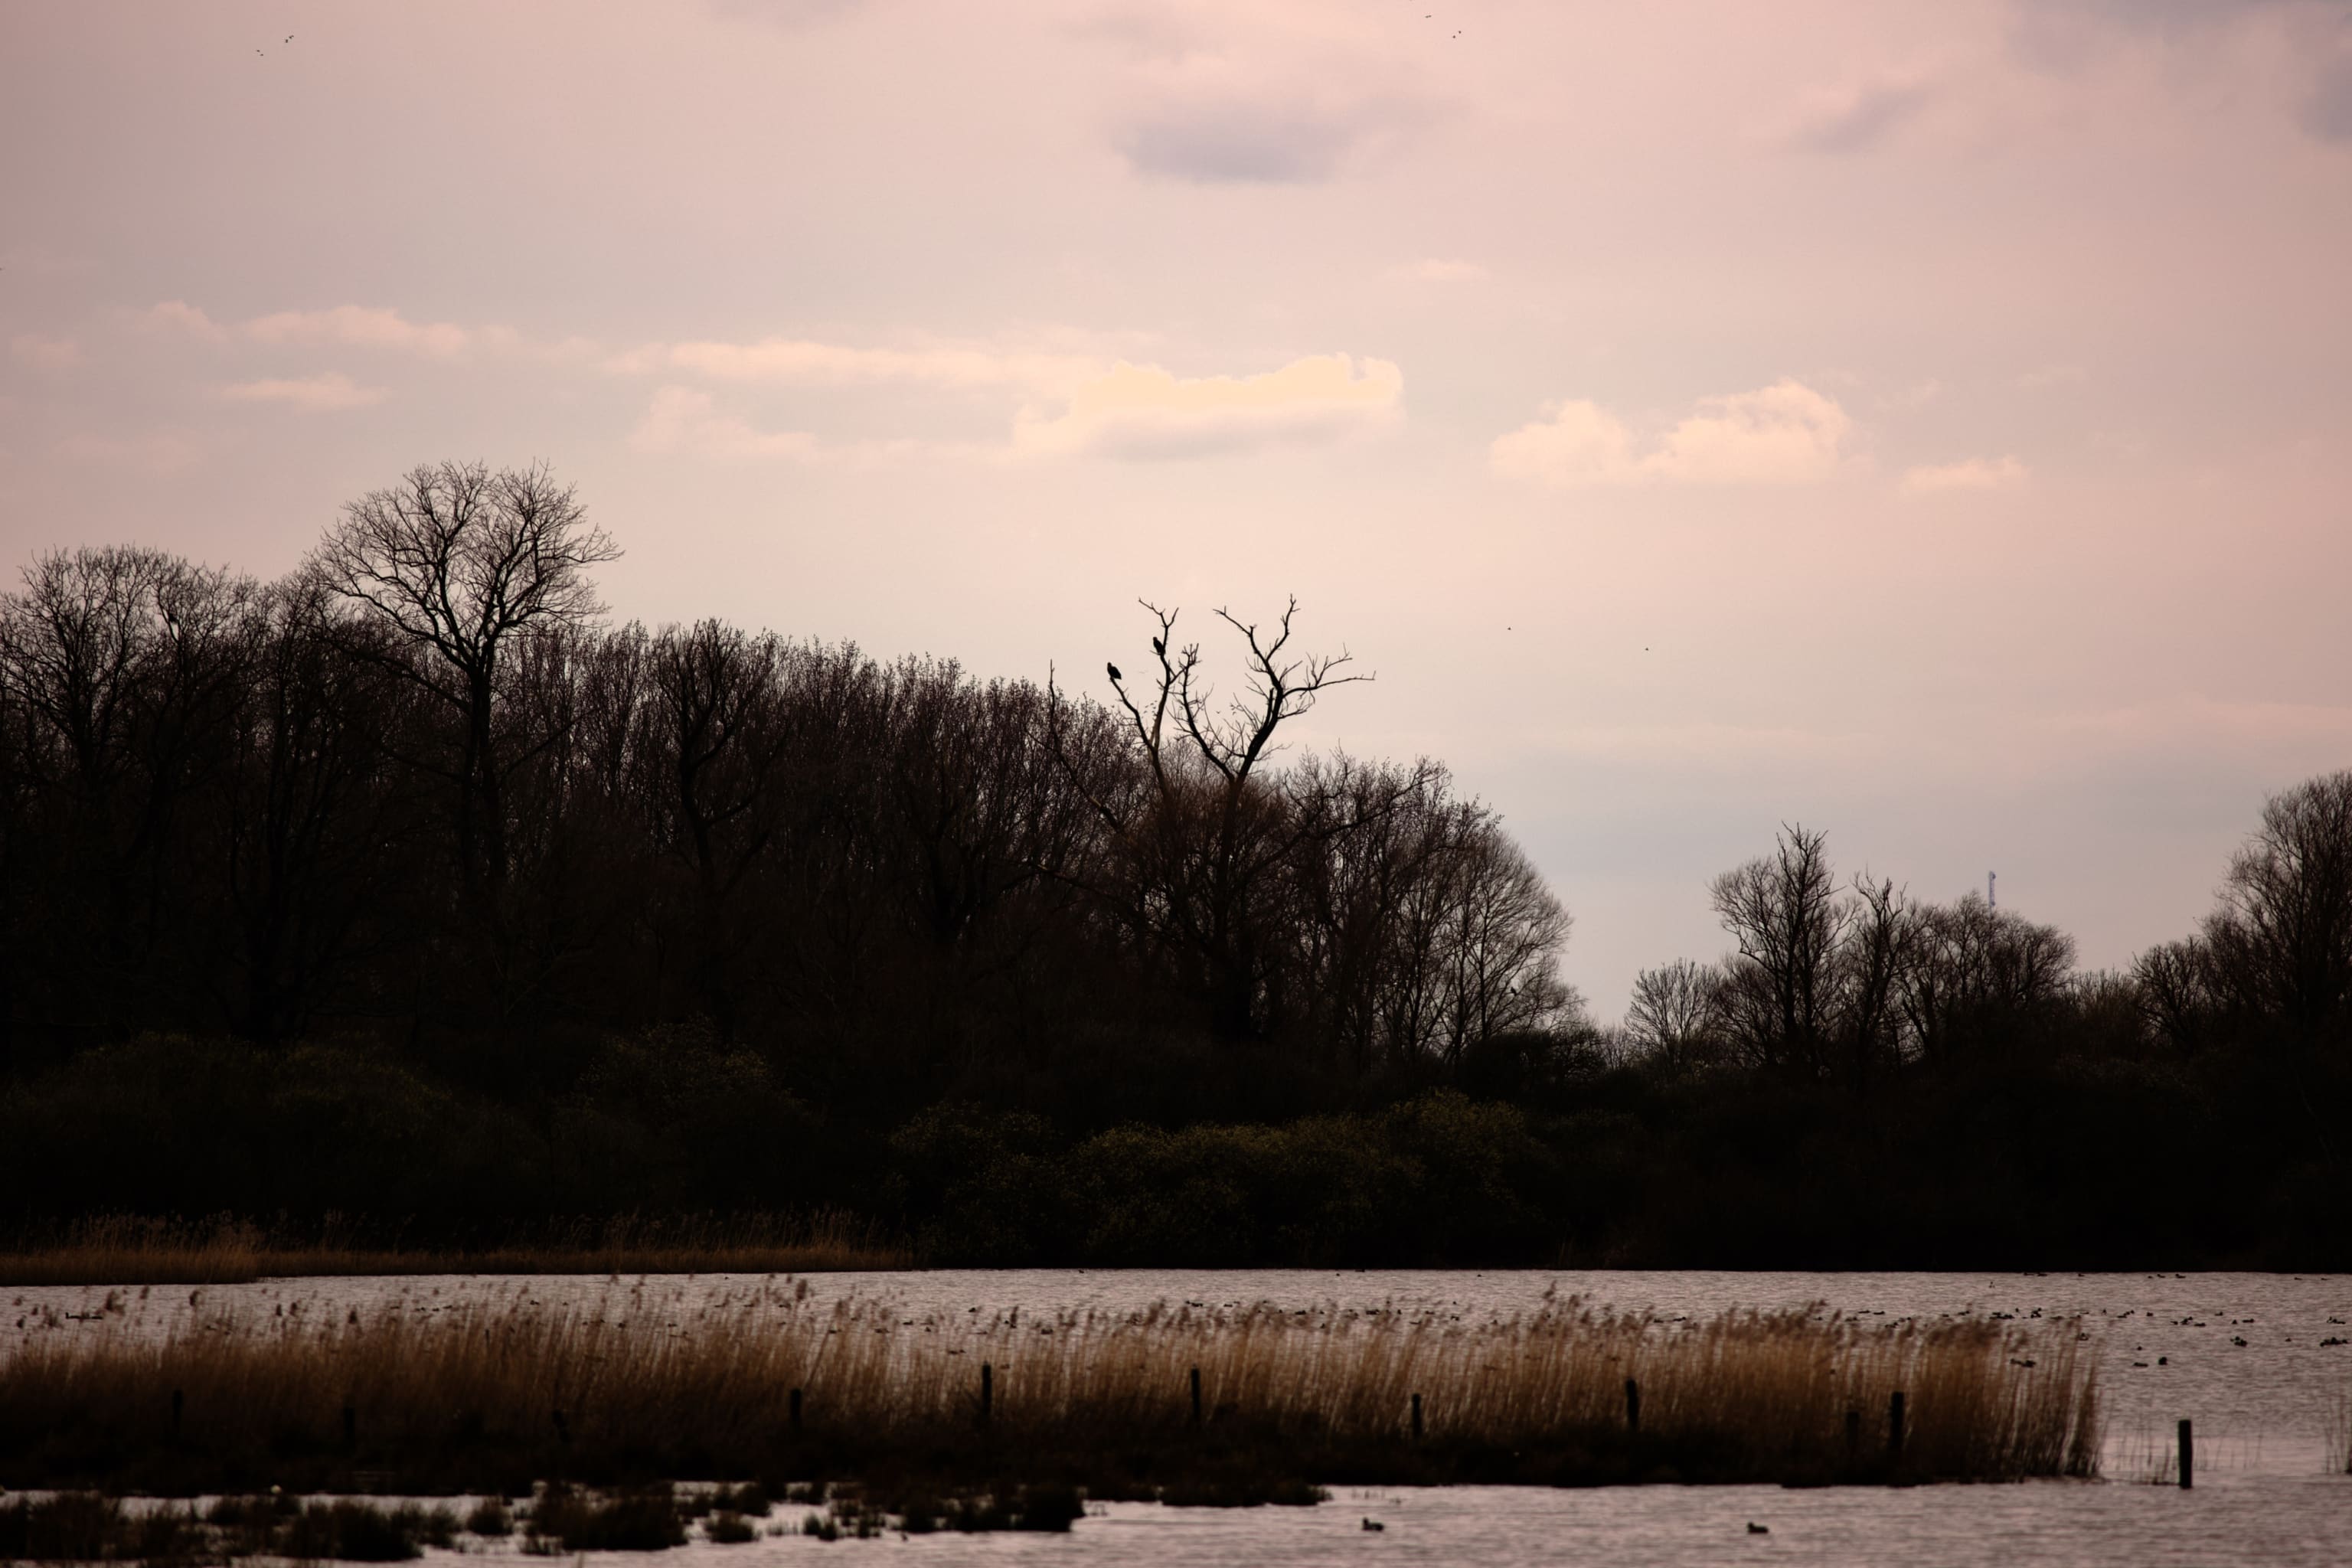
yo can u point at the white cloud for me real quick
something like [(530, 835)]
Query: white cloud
[(44, 353), (1782, 434), (179, 316), (1970, 473), (1143, 411), (800, 362), (324, 394), (682, 420), (365, 326), (1437, 271)]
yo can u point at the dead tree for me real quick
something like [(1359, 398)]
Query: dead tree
[(1202, 846)]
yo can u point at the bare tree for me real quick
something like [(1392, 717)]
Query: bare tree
[(1881, 944), (462, 563), (129, 663), (1203, 844), (1813, 988), (1786, 916), (2282, 940), (304, 839), (1675, 1018), (1980, 978), (2179, 994)]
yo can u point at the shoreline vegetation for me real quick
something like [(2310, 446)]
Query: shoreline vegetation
[(1244, 1404), (135, 1250)]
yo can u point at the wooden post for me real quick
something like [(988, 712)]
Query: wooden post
[(1894, 1425), (1196, 1396), (1632, 1408), (563, 1428), (987, 1390), (179, 1404), (1852, 1435), (796, 1409), (1416, 1417), (350, 1426), (2188, 1456)]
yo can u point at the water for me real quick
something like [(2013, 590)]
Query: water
[(2168, 1347)]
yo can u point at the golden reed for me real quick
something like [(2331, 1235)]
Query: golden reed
[(766, 1381)]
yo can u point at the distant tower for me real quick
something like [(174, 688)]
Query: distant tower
[(1991, 902)]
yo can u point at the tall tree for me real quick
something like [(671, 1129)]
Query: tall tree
[(462, 564)]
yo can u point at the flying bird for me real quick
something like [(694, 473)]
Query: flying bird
[(1114, 672)]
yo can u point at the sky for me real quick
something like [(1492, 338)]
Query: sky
[(1928, 423)]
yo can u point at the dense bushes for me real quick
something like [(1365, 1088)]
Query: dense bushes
[(2062, 1163)]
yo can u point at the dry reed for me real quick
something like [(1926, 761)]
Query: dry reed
[(135, 1250), (766, 1382)]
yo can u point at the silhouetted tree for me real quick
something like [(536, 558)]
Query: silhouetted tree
[(2281, 943), (463, 565), (1200, 848), (1982, 980), (1675, 1017), (1778, 993), (1812, 990), (124, 665), (310, 828)]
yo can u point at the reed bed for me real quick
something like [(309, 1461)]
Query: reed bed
[(137, 1251), (767, 1384)]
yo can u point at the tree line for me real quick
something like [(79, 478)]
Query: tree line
[(1850, 982), (420, 792), (410, 888)]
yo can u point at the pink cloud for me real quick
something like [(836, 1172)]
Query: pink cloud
[(330, 393)]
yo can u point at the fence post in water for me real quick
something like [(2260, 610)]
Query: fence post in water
[(1632, 1408), (1416, 1417), (351, 1424), (2188, 1455), (987, 1390), (1196, 1396), (796, 1409), (1852, 1435), (179, 1403), (1894, 1425)]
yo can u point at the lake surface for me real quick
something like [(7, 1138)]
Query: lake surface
[(2244, 1356)]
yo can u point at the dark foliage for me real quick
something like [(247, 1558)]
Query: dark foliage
[(406, 891)]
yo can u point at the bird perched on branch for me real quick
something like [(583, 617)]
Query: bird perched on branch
[(1159, 647), (1114, 672)]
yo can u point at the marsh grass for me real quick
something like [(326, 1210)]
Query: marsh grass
[(484, 1397), (94, 1527), (2339, 1433), (123, 1249)]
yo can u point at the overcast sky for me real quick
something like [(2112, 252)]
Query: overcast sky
[(1928, 422)]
